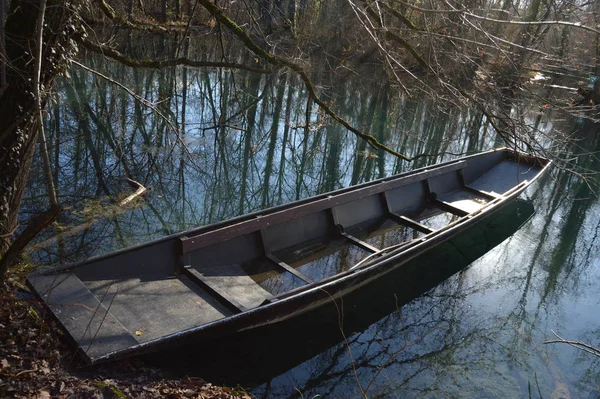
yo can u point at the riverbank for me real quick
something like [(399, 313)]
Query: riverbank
[(36, 363)]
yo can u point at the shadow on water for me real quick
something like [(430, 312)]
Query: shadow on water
[(260, 355)]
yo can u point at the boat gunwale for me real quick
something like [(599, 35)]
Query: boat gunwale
[(406, 255), (282, 207), (276, 217)]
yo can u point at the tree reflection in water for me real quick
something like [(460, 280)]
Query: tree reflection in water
[(244, 145)]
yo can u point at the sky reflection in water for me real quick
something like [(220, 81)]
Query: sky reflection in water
[(478, 334)]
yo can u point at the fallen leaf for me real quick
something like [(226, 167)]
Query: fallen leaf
[(139, 332), (4, 363), (59, 386)]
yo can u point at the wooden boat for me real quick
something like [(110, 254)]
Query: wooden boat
[(370, 314), (265, 268)]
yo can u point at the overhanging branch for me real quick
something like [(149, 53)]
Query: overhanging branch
[(156, 64), (112, 15), (278, 62), (467, 13), (510, 22)]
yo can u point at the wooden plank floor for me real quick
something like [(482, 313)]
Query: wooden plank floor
[(96, 330), (232, 281), (154, 307), (465, 200), (505, 176)]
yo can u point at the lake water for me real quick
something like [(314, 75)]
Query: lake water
[(243, 144)]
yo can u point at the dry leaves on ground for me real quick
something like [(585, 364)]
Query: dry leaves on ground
[(34, 364)]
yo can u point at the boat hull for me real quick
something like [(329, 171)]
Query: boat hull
[(189, 289), (250, 351)]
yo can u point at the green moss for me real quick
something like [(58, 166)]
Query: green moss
[(115, 391), (31, 311), (238, 391)]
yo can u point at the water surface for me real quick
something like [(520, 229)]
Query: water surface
[(225, 143)]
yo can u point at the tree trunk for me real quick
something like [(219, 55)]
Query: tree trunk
[(273, 142), (163, 10), (361, 152), (303, 160), (17, 105), (254, 87), (37, 93), (380, 128), (286, 131), (3, 10)]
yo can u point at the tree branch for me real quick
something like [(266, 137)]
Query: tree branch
[(576, 344), (401, 17), (37, 93), (511, 22), (3, 58), (140, 190), (392, 36), (37, 224), (278, 62), (157, 64), (112, 15), (500, 21)]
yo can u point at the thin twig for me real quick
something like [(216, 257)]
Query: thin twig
[(11, 232), (576, 344)]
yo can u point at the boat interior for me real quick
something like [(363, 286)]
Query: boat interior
[(155, 290)]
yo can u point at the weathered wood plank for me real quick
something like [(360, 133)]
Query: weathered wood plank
[(288, 268), (223, 297), (484, 194), (248, 226), (445, 206), (360, 243), (411, 223), (88, 322)]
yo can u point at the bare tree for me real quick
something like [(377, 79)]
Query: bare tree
[(20, 120), (458, 53)]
